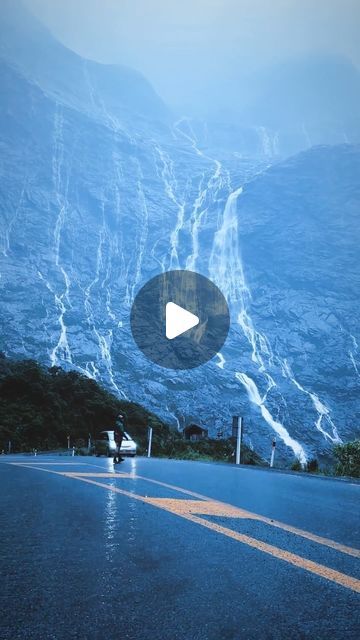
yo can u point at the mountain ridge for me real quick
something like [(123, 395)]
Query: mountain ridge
[(59, 71), (94, 203)]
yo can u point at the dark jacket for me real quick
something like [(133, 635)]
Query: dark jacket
[(120, 428)]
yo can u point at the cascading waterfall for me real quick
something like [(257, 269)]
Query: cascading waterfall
[(221, 361), (189, 137), (104, 340), (225, 265), (5, 235), (321, 409), (226, 269), (199, 210), (113, 194), (171, 187), (352, 354), (269, 142), (142, 229), (306, 135), (208, 189), (278, 427), (61, 351), (194, 201)]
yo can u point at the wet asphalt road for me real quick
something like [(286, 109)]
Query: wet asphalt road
[(88, 553)]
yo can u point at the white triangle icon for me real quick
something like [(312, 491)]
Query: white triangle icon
[(178, 320)]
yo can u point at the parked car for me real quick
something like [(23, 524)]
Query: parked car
[(105, 445)]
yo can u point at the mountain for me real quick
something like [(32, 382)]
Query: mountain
[(103, 91), (101, 190), (304, 101), (307, 89), (299, 229), (307, 101)]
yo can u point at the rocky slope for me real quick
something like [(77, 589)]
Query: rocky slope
[(101, 189)]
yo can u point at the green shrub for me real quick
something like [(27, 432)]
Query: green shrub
[(348, 456), (312, 466), (79, 443), (174, 446), (296, 465), (41, 406)]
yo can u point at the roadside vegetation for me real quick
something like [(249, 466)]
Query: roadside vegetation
[(347, 462), (348, 459), (174, 446), (41, 406)]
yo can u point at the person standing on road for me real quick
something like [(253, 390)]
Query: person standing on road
[(120, 425)]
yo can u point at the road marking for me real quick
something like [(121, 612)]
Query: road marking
[(180, 508), (303, 563), (76, 474), (188, 509), (351, 551), (273, 523), (32, 463), (184, 511), (201, 507)]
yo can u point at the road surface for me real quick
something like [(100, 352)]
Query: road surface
[(168, 550)]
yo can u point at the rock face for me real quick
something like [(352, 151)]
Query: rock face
[(306, 101), (101, 190)]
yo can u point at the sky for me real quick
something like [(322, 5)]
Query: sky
[(183, 47)]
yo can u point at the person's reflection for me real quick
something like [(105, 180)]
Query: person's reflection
[(111, 515)]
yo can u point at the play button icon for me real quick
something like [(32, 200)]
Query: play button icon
[(179, 319)]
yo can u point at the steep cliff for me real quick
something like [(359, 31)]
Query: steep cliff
[(101, 190)]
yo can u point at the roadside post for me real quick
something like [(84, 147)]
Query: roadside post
[(68, 441), (89, 443), (73, 452), (150, 430), (237, 430), (9, 446), (273, 447)]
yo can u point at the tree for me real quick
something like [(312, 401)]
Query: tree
[(348, 456)]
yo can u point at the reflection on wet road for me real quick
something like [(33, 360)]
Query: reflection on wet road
[(170, 549)]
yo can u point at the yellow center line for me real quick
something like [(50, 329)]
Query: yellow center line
[(241, 513), (204, 505), (303, 563), (273, 523), (170, 505)]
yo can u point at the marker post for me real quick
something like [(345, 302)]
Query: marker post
[(237, 432), (273, 446), (149, 441)]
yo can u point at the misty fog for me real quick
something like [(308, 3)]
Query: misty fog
[(201, 55)]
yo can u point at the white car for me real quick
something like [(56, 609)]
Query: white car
[(105, 445)]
